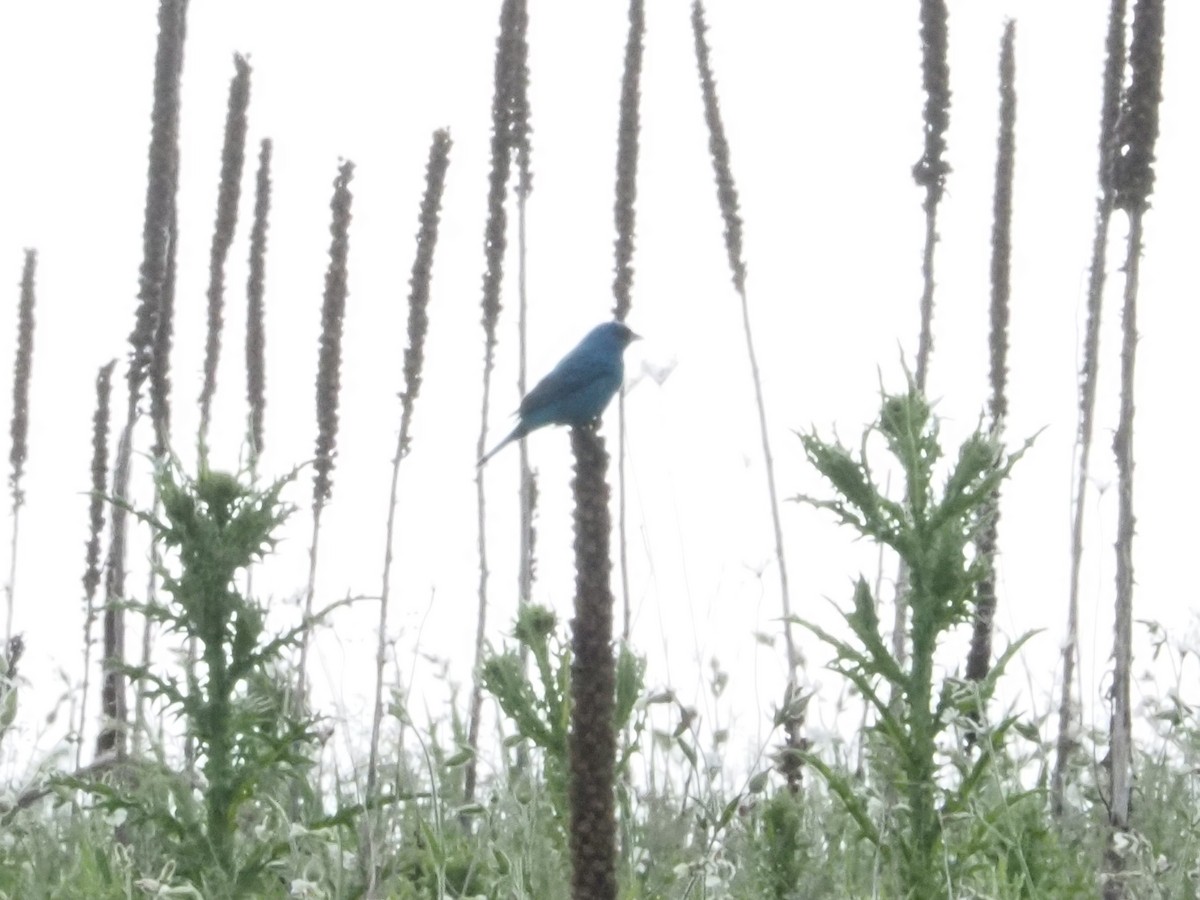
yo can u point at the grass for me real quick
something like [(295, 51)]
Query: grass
[(847, 835), (927, 814)]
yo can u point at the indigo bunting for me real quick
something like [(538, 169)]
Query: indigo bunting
[(579, 388)]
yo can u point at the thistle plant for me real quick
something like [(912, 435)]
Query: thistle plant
[(932, 532), (540, 706), (209, 529)]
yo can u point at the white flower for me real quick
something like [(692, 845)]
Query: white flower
[(306, 890), (117, 817)]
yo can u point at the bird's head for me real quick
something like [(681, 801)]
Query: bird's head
[(617, 334)]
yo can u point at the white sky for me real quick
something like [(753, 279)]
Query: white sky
[(822, 108)]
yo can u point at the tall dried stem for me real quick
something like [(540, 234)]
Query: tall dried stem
[(256, 332), (329, 364), (1137, 132), (979, 657), (727, 198), (592, 742), (625, 220), (91, 568), (520, 129), (19, 430), (510, 69), (256, 379), (149, 345), (414, 357), (929, 173), (160, 353), (1114, 68), (931, 169), (233, 156)]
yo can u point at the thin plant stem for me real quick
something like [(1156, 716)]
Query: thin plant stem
[(91, 569), (1114, 67), (525, 574), (160, 419), (527, 563), (1120, 761), (414, 355), (1137, 132), (112, 697), (728, 200), (506, 135), (329, 363), (141, 728), (929, 173), (861, 750)]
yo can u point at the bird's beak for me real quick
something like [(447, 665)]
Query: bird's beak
[(634, 336)]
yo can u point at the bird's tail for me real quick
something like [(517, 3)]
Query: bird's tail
[(513, 435)]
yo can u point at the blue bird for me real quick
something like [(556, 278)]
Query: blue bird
[(579, 388)]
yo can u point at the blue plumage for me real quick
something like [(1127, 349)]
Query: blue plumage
[(579, 388)]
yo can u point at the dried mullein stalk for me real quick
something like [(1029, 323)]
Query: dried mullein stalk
[(233, 155), (149, 349), (333, 311), (1137, 132), (256, 380), (19, 430), (592, 741), (1114, 67), (329, 365), (980, 654), (727, 198), (509, 131), (96, 503), (414, 358)]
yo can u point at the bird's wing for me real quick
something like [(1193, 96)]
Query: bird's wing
[(573, 373)]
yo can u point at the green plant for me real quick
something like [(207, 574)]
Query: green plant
[(932, 532), (9, 683), (248, 741), (541, 710)]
